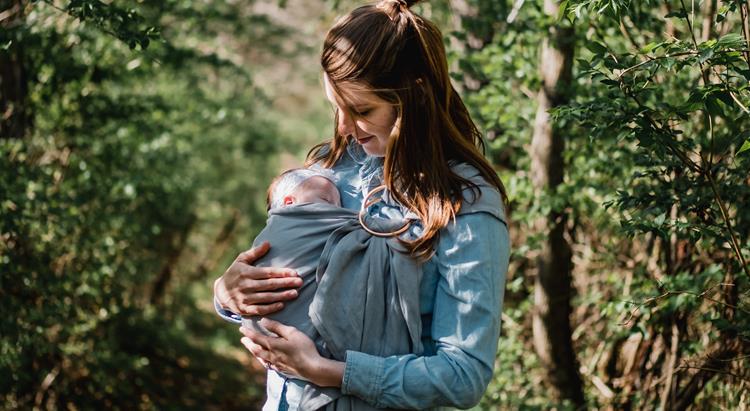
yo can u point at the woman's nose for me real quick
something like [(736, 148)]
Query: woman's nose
[(346, 123)]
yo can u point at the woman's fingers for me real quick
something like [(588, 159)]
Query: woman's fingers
[(262, 273), (255, 337), (257, 351), (282, 330), (269, 297), (254, 348), (249, 256), (259, 339), (269, 284), (264, 357), (259, 309), (264, 303), (292, 352)]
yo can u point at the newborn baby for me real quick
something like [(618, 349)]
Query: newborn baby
[(294, 187), (302, 185)]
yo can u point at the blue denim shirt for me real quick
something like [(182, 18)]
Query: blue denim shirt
[(461, 297)]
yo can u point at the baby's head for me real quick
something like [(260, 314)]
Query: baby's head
[(302, 185)]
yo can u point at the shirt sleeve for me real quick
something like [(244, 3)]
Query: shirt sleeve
[(226, 314), (472, 257)]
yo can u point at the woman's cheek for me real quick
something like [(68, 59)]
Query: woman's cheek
[(365, 126)]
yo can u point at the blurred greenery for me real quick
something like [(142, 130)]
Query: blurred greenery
[(137, 140)]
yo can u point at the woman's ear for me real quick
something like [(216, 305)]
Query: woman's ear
[(288, 200)]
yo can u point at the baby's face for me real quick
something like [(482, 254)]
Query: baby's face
[(316, 190)]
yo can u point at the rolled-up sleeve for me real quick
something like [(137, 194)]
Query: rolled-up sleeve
[(226, 314), (472, 257)]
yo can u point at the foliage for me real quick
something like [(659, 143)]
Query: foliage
[(143, 168), (656, 176), (133, 157), (688, 186)]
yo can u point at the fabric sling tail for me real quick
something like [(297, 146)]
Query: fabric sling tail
[(383, 318)]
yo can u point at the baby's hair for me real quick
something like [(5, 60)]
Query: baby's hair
[(272, 187)]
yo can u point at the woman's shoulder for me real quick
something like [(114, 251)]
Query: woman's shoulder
[(480, 196)]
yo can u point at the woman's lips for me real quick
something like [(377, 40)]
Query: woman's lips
[(364, 140)]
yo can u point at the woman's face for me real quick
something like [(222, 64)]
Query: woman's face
[(372, 120)]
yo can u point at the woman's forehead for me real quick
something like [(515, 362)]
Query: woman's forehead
[(348, 93)]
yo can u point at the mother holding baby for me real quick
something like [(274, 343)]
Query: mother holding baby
[(399, 123)]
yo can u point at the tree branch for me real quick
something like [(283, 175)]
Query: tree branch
[(728, 223)]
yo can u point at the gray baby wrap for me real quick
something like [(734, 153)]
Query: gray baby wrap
[(364, 295), (360, 291)]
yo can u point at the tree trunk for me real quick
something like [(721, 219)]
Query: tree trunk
[(709, 14), (176, 242), (15, 118), (552, 293)]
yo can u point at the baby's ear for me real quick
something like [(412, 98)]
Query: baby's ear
[(288, 200)]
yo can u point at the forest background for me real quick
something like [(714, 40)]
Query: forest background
[(137, 139)]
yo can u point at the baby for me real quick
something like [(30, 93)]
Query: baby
[(302, 185), (314, 192)]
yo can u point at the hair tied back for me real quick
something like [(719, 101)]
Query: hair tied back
[(393, 7)]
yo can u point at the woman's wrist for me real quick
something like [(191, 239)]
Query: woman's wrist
[(326, 373)]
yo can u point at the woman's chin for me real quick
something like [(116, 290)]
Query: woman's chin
[(371, 150)]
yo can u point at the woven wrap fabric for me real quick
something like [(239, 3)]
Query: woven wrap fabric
[(360, 292)]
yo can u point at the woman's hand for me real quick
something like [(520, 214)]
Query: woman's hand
[(292, 353), (248, 290)]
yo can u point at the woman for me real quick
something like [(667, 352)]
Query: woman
[(399, 122)]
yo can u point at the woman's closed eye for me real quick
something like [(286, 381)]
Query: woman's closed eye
[(363, 112)]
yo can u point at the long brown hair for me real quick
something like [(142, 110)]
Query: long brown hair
[(400, 56)]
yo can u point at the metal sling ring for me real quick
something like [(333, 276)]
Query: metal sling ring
[(366, 203)]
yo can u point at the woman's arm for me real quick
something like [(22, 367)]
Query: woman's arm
[(248, 290), (472, 258)]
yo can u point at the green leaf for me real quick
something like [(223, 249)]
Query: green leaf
[(583, 64), (731, 40), (713, 107), (596, 48), (745, 147), (705, 55), (562, 10), (578, 10), (745, 73), (648, 48), (660, 219)]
